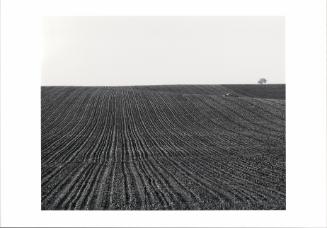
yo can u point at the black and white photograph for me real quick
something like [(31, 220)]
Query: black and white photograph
[(163, 113)]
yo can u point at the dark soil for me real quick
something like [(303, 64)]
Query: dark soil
[(183, 147)]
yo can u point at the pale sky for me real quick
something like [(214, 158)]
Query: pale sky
[(158, 50)]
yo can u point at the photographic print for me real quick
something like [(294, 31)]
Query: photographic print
[(163, 113)]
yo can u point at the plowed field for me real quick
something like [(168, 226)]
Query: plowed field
[(185, 147)]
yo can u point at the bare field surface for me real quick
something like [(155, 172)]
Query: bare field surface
[(183, 147)]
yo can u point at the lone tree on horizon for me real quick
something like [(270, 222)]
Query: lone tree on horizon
[(262, 81)]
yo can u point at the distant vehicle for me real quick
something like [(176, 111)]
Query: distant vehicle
[(229, 95)]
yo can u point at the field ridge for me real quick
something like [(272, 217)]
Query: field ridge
[(171, 147)]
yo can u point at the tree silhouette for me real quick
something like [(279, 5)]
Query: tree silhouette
[(262, 81)]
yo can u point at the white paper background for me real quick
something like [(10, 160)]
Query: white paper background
[(20, 113)]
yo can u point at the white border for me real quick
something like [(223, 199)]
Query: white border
[(306, 111)]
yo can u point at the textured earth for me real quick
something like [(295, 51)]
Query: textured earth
[(182, 147)]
